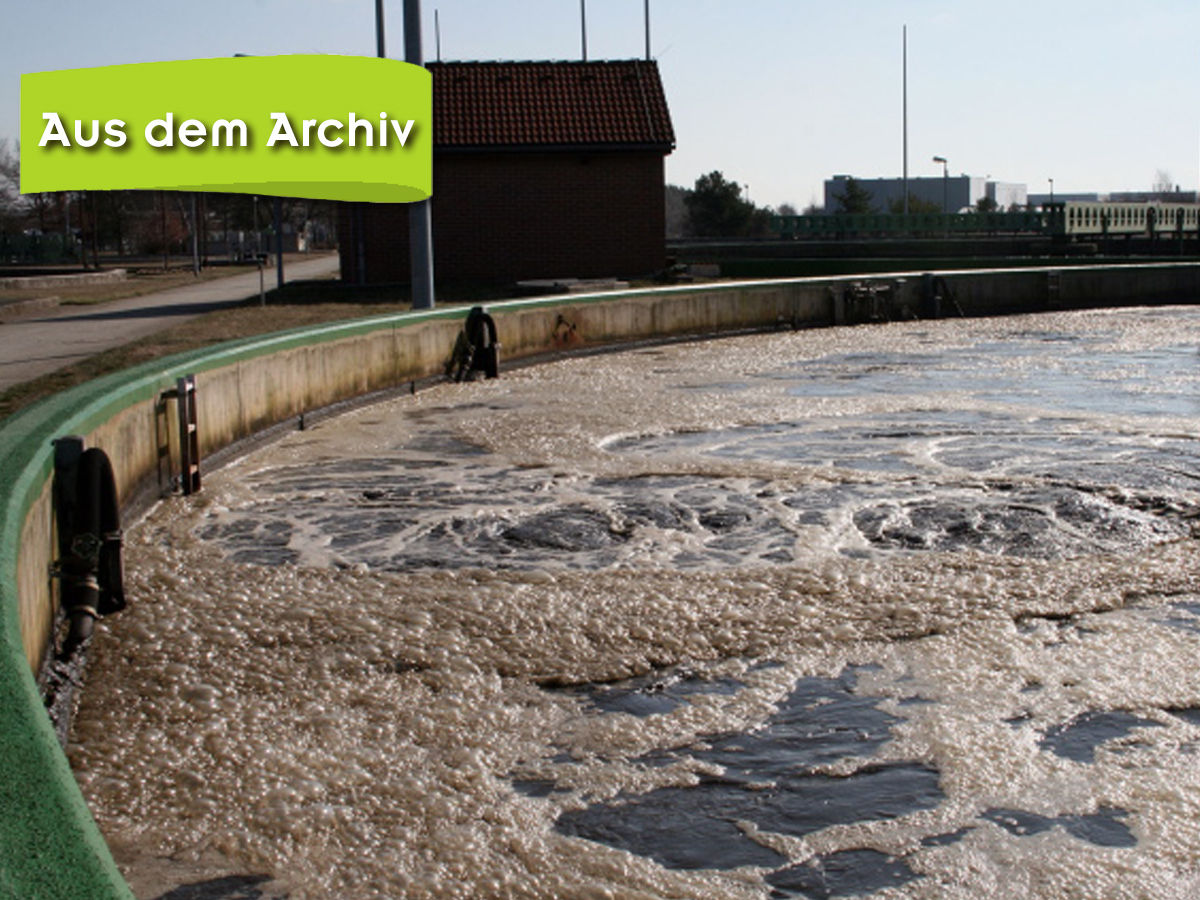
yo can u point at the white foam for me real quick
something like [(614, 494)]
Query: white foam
[(354, 732)]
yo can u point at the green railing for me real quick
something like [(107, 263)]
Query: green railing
[(1072, 219), (912, 225)]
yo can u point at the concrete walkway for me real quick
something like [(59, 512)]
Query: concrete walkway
[(38, 346)]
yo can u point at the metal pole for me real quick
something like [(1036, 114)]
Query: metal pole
[(83, 229), (437, 34), (166, 246), (203, 230), (379, 43), (946, 195), (420, 219), (360, 240), (95, 227), (945, 182), (647, 30), (905, 183), (360, 243), (583, 26), (195, 236), (278, 216)]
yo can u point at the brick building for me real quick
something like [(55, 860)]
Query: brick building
[(540, 170)]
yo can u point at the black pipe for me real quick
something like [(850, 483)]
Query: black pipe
[(480, 330), (91, 567)]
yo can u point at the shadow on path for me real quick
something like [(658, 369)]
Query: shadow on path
[(149, 312), (232, 887)]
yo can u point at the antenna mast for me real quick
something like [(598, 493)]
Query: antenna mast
[(647, 30), (583, 26)]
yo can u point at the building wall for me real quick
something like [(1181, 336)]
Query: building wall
[(503, 217), (1007, 195)]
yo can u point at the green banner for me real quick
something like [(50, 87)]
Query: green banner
[(321, 127)]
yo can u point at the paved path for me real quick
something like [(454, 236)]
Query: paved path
[(38, 346)]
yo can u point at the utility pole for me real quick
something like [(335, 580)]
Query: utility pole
[(647, 30), (379, 42), (277, 221), (420, 219), (905, 79), (195, 235), (356, 208), (945, 183), (583, 26)]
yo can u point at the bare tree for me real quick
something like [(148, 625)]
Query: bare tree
[(12, 205), (676, 211), (1164, 185)]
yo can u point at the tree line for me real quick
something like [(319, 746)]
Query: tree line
[(135, 223), (857, 200), (717, 207)]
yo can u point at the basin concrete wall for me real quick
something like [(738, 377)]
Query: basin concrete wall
[(49, 846)]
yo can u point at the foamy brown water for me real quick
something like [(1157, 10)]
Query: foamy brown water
[(358, 661)]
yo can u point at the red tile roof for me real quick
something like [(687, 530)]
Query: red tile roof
[(615, 104)]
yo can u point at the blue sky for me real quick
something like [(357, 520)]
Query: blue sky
[(777, 94)]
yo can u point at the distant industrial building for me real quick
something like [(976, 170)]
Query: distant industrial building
[(953, 194)]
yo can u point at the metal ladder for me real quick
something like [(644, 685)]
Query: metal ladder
[(184, 396)]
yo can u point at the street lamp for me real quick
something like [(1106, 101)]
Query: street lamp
[(945, 183), (1051, 190)]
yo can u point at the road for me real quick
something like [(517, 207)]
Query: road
[(34, 347)]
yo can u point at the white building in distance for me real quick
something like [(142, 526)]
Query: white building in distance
[(1167, 197)]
